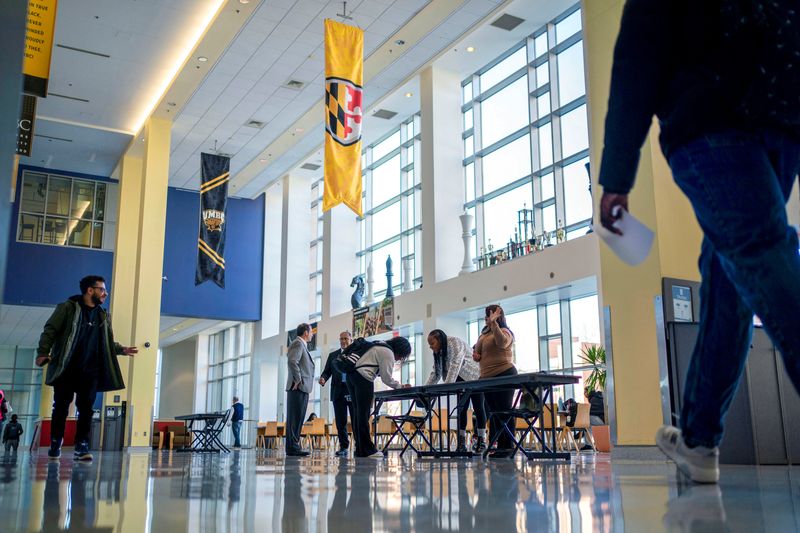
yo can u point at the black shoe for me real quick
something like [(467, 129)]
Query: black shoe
[(344, 452), (461, 446), (298, 453), (586, 447), (479, 446), (501, 454), (55, 449), (82, 452)]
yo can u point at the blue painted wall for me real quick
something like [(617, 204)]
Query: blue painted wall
[(244, 252), (45, 275)]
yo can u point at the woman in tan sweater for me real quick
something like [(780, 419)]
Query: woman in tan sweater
[(496, 358)]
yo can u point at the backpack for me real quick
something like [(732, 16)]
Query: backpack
[(346, 362), (762, 39)]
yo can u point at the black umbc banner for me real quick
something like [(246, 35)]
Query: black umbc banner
[(213, 208)]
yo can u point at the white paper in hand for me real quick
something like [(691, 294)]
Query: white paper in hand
[(633, 246)]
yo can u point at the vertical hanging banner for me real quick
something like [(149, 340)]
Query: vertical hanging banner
[(213, 207), (27, 116), (344, 73), (38, 46)]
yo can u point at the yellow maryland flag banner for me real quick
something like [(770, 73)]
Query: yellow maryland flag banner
[(344, 72)]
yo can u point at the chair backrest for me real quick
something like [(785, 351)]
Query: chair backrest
[(224, 420), (318, 427), (439, 420), (547, 421), (271, 429), (582, 419), (385, 426)]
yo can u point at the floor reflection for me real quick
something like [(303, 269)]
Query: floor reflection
[(257, 491)]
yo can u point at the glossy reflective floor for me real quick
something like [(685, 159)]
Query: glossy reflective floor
[(258, 491)]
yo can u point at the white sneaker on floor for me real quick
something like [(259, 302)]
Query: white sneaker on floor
[(376, 455), (700, 464)]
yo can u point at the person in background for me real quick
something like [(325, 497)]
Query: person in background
[(597, 411), (299, 385), (11, 434), (722, 78), (311, 417), (78, 347), (452, 362), (236, 421), (339, 398), (379, 360), (496, 357), (4, 410)]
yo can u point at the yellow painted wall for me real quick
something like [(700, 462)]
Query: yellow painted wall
[(630, 292)]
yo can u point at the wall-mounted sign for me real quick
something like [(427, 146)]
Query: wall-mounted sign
[(682, 303), (25, 123), (39, 45)]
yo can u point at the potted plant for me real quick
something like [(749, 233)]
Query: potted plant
[(595, 355)]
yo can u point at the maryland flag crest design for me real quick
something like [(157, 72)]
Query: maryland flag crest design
[(344, 95), (213, 206)]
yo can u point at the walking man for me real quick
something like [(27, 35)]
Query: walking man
[(339, 396), (78, 346), (298, 386), (723, 79)]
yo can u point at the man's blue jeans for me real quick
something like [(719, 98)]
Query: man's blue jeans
[(236, 426), (738, 184)]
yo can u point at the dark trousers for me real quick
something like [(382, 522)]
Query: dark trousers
[(501, 401), (84, 394), (340, 408), (738, 183), (296, 405), (362, 394), (478, 408)]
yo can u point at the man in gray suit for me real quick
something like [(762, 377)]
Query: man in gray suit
[(298, 387)]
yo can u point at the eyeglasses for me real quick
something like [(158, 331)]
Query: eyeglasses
[(103, 289)]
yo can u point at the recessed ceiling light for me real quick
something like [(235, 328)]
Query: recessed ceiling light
[(299, 130), (171, 104), (470, 48), (262, 160), (244, 1), (409, 94), (202, 59)]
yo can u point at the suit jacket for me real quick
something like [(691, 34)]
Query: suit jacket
[(338, 387), (301, 367)]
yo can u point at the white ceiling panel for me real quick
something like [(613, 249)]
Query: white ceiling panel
[(21, 325)]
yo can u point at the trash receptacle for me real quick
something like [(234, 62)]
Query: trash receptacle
[(114, 427)]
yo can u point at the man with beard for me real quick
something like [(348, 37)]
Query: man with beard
[(78, 346)]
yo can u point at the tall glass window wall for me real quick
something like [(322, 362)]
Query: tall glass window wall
[(62, 211), (551, 337), (315, 253), (526, 138), (21, 382), (392, 222), (229, 359)]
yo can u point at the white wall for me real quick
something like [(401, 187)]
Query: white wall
[(177, 379)]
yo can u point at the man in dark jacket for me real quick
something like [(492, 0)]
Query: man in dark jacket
[(722, 77), (341, 404), (11, 434), (78, 346), (236, 421)]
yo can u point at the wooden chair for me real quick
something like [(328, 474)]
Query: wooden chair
[(179, 437), (271, 435), (157, 440), (582, 425), (383, 431), (261, 440), (314, 433)]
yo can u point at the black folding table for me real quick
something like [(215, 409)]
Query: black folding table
[(202, 440), (430, 398)]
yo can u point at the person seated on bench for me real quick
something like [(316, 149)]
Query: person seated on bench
[(452, 362), (496, 357)]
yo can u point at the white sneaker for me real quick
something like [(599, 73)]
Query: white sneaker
[(700, 464), (376, 455)]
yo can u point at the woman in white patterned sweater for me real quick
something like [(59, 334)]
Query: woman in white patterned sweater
[(452, 361)]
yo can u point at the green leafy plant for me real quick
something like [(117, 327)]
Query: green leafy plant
[(595, 355)]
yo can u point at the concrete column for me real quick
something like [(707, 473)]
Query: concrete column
[(138, 267), (12, 44), (630, 292), (442, 174), (296, 232), (273, 273)]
